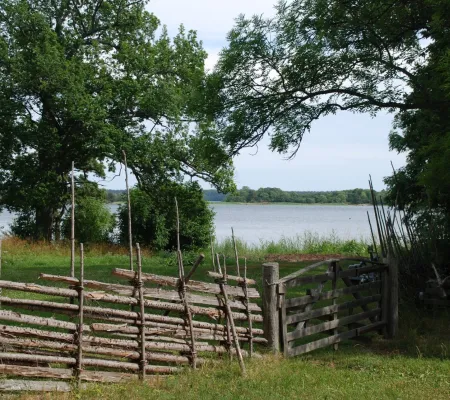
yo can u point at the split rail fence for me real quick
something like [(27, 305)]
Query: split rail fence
[(324, 304), (144, 328)]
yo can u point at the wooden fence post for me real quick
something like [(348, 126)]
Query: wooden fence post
[(270, 305), (392, 316)]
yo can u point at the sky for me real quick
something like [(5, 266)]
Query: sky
[(338, 153)]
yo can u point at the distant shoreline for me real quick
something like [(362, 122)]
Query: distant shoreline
[(287, 204)]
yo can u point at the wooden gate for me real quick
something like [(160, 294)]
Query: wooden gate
[(326, 303)]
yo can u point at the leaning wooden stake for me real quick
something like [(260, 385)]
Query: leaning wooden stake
[(80, 288), (219, 269), (230, 320), (72, 224), (130, 239), (140, 287), (212, 255), (250, 327), (235, 252), (182, 291)]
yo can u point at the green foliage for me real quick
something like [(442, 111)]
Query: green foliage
[(114, 196), (213, 195), (275, 195), (422, 187), (84, 81), (23, 226), (308, 243), (154, 217), (94, 222), (317, 57)]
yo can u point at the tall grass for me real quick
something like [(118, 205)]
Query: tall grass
[(308, 243)]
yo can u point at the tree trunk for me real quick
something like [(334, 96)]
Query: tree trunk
[(44, 224)]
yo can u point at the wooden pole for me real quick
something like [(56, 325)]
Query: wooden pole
[(250, 325), (231, 323), (269, 305), (334, 268), (182, 290), (373, 236), (212, 255), (219, 269), (140, 286), (392, 322), (80, 288), (227, 321), (72, 224), (200, 259), (130, 237), (235, 252)]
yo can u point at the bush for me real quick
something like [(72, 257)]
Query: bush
[(94, 222), (154, 217), (24, 225)]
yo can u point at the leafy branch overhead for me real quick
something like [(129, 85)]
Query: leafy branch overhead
[(317, 57), (83, 80)]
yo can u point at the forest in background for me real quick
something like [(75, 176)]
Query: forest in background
[(276, 195)]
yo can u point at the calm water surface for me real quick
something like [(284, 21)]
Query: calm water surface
[(254, 222)]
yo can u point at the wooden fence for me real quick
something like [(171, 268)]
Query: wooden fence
[(324, 304), (145, 328)]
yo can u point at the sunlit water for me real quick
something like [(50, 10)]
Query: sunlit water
[(253, 222)]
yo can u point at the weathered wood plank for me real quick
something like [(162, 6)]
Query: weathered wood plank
[(294, 318), (94, 362), (41, 321), (196, 286), (35, 372), (155, 293), (304, 270), (311, 330), (313, 297), (105, 313), (333, 339), (329, 276), (15, 385), (202, 334), (237, 279), (33, 288)]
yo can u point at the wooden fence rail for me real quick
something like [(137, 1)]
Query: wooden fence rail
[(104, 341)]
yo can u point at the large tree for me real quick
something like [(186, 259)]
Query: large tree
[(317, 57), (83, 80)]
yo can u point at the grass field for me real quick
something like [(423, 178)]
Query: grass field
[(416, 365)]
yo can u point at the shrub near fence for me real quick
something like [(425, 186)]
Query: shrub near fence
[(147, 327)]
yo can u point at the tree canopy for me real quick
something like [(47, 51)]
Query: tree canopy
[(317, 57), (82, 81)]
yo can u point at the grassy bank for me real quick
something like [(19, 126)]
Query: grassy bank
[(308, 243), (413, 366)]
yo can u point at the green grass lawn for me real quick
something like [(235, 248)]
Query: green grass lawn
[(416, 365)]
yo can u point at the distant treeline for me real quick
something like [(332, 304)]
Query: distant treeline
[(275, 195), (114, 196)]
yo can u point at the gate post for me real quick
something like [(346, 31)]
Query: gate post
[(271, 322), (392, 316)]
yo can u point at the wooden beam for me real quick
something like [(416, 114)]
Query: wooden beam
[(294, 318)]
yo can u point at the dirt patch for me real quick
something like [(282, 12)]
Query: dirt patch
[(301, 257)]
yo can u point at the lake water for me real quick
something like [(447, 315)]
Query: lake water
[(255, 222)]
